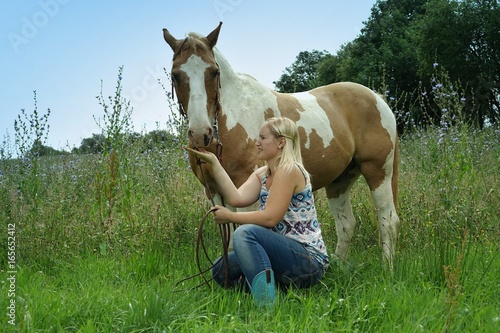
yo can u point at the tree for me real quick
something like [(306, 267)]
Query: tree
[(327, 70), (160, 139), (384, 50), (92, 145), (303, 74), (38, 149), (463, 37), (98, 143)]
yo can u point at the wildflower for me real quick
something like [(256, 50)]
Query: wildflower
[(435, 64)]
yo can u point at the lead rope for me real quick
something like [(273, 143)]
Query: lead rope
[(224, 232)]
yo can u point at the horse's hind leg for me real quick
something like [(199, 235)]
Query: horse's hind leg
[(379, 180), (388, 220), (340, 205)]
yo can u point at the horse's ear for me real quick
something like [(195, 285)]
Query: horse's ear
[(212, 37), (169, 39)]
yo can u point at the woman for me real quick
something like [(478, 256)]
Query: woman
[(283, 239)]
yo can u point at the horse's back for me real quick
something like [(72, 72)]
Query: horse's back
[(353, 101), (340, 123), (342, 103)]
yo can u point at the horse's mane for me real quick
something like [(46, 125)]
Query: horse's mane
[(192, 42)]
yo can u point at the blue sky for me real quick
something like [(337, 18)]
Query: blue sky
[(62, 49)]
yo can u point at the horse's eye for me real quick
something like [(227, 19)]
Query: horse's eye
[(216, 73)]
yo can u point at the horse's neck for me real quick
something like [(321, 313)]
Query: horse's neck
[(228, 75), (243, 99)]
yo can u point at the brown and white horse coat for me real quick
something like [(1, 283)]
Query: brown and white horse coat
[(346, 130)]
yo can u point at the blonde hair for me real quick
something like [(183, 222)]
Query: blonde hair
[(282, 127)]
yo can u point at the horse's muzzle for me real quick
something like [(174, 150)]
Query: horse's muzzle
[(201, 140)]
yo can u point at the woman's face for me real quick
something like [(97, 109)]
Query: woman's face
[(267, 144)]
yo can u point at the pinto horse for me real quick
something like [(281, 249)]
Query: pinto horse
[(346, 130)]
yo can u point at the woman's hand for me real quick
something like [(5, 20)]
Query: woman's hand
[(221, 214), (203, 155)]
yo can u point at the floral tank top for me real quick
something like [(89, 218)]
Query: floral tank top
[(300, 221)]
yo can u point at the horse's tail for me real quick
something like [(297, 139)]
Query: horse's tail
[(395, 173)]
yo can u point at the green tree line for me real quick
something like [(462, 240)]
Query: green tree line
[(399, 50), (99, 143)]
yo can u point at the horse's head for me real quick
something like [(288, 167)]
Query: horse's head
[(196, 78)]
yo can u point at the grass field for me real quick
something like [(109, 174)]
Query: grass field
[(96, 243)]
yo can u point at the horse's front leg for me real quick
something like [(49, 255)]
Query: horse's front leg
[(344, 223)]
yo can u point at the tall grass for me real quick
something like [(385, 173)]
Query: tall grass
[(102, 240)]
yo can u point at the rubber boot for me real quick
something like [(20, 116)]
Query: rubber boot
[(263, 289)]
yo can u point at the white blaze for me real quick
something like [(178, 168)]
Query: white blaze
[(195, 71)]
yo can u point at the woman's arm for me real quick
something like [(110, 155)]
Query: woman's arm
[(280, 194), (245, 195)]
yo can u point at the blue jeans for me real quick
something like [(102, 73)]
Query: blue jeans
[(257, 248)]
